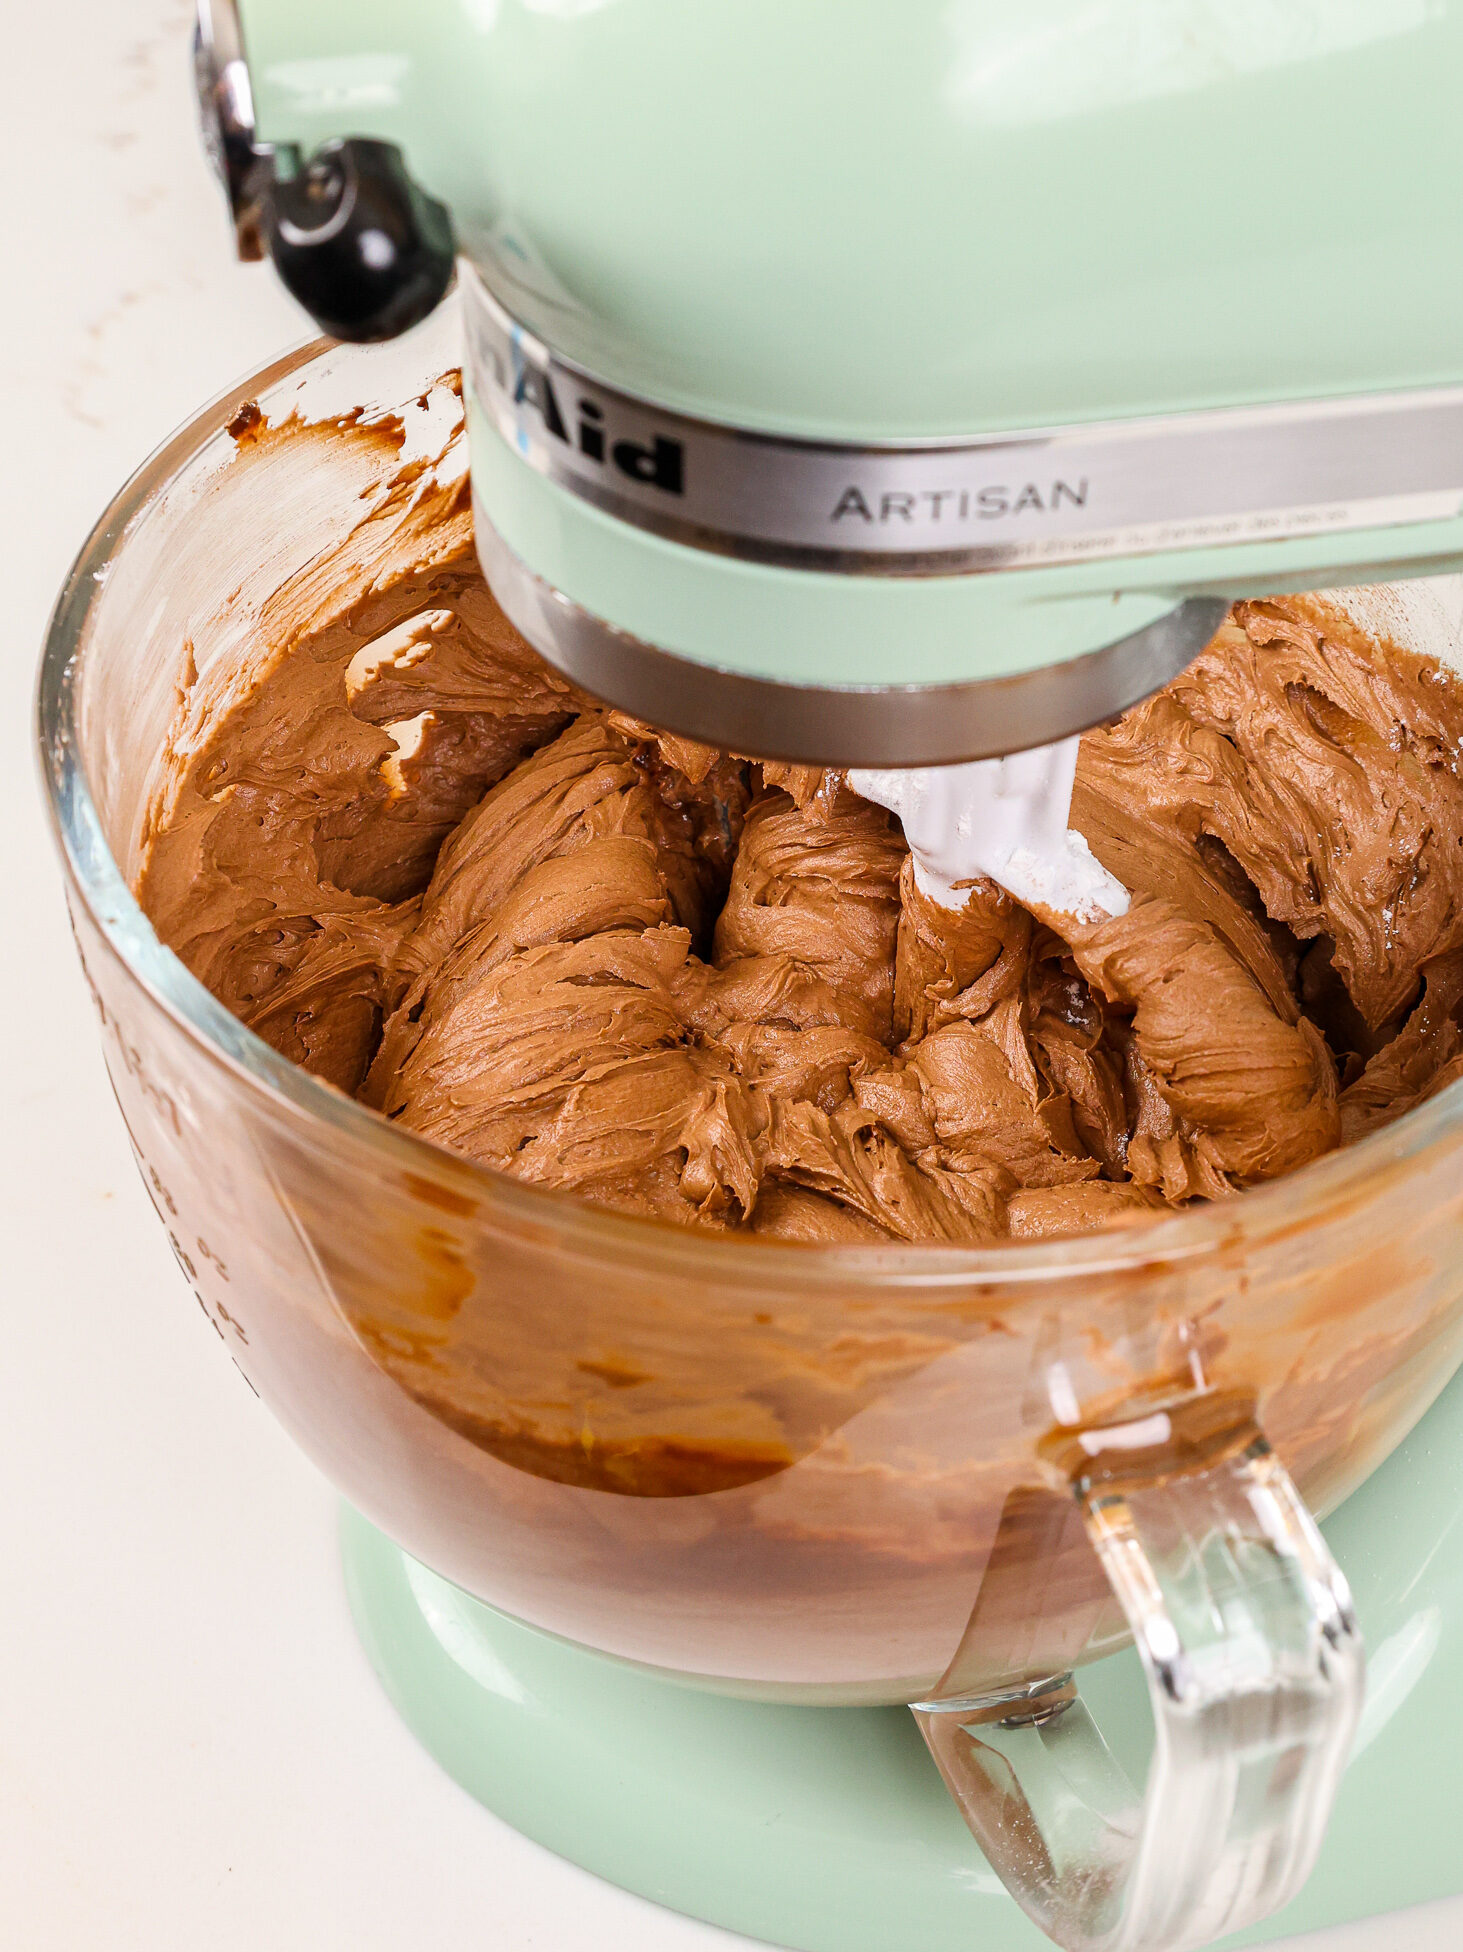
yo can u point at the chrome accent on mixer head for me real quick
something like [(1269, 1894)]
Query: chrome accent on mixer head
[(226, 120), (1054, 495), (866, 725)]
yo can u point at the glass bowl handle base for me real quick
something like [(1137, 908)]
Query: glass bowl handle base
[(1254, 1663)]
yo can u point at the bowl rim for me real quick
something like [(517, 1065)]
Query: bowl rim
[(1298, 1201)]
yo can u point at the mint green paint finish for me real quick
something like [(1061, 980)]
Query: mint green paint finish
[(815, 628), (827, 1828), (811, 1827), (861, 218)]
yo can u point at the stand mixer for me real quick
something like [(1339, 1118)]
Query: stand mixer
[(890, 386), (901, 389)]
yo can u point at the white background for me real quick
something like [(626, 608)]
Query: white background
[(194, 1756)]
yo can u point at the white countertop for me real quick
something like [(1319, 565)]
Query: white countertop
[(194, 1755)]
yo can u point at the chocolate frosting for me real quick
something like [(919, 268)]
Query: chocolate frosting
[(689, 986)]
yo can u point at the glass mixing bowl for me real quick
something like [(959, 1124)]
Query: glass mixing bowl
[(833, 1475)]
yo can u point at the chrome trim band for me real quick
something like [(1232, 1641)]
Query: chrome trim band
[(868, 725), (939, 507)]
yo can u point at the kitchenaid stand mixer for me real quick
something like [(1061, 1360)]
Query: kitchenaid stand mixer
[(888, 386), (902, 387)]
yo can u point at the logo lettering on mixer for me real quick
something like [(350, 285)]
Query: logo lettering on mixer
[(659, 462), (952, 505)]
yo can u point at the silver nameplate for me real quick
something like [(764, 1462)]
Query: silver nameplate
[(937, 507)]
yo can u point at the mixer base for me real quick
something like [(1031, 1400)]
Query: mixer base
[(827, 1829)]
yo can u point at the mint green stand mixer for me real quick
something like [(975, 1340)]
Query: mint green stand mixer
[(890, 386)]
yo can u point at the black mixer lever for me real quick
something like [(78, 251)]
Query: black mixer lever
[(362, 247)]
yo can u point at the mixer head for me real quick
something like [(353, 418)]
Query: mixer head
[(889, 385)]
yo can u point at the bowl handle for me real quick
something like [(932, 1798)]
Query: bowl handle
[(1254, 1663)]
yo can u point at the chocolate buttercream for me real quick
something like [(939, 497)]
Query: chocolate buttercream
[(682, 984)]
